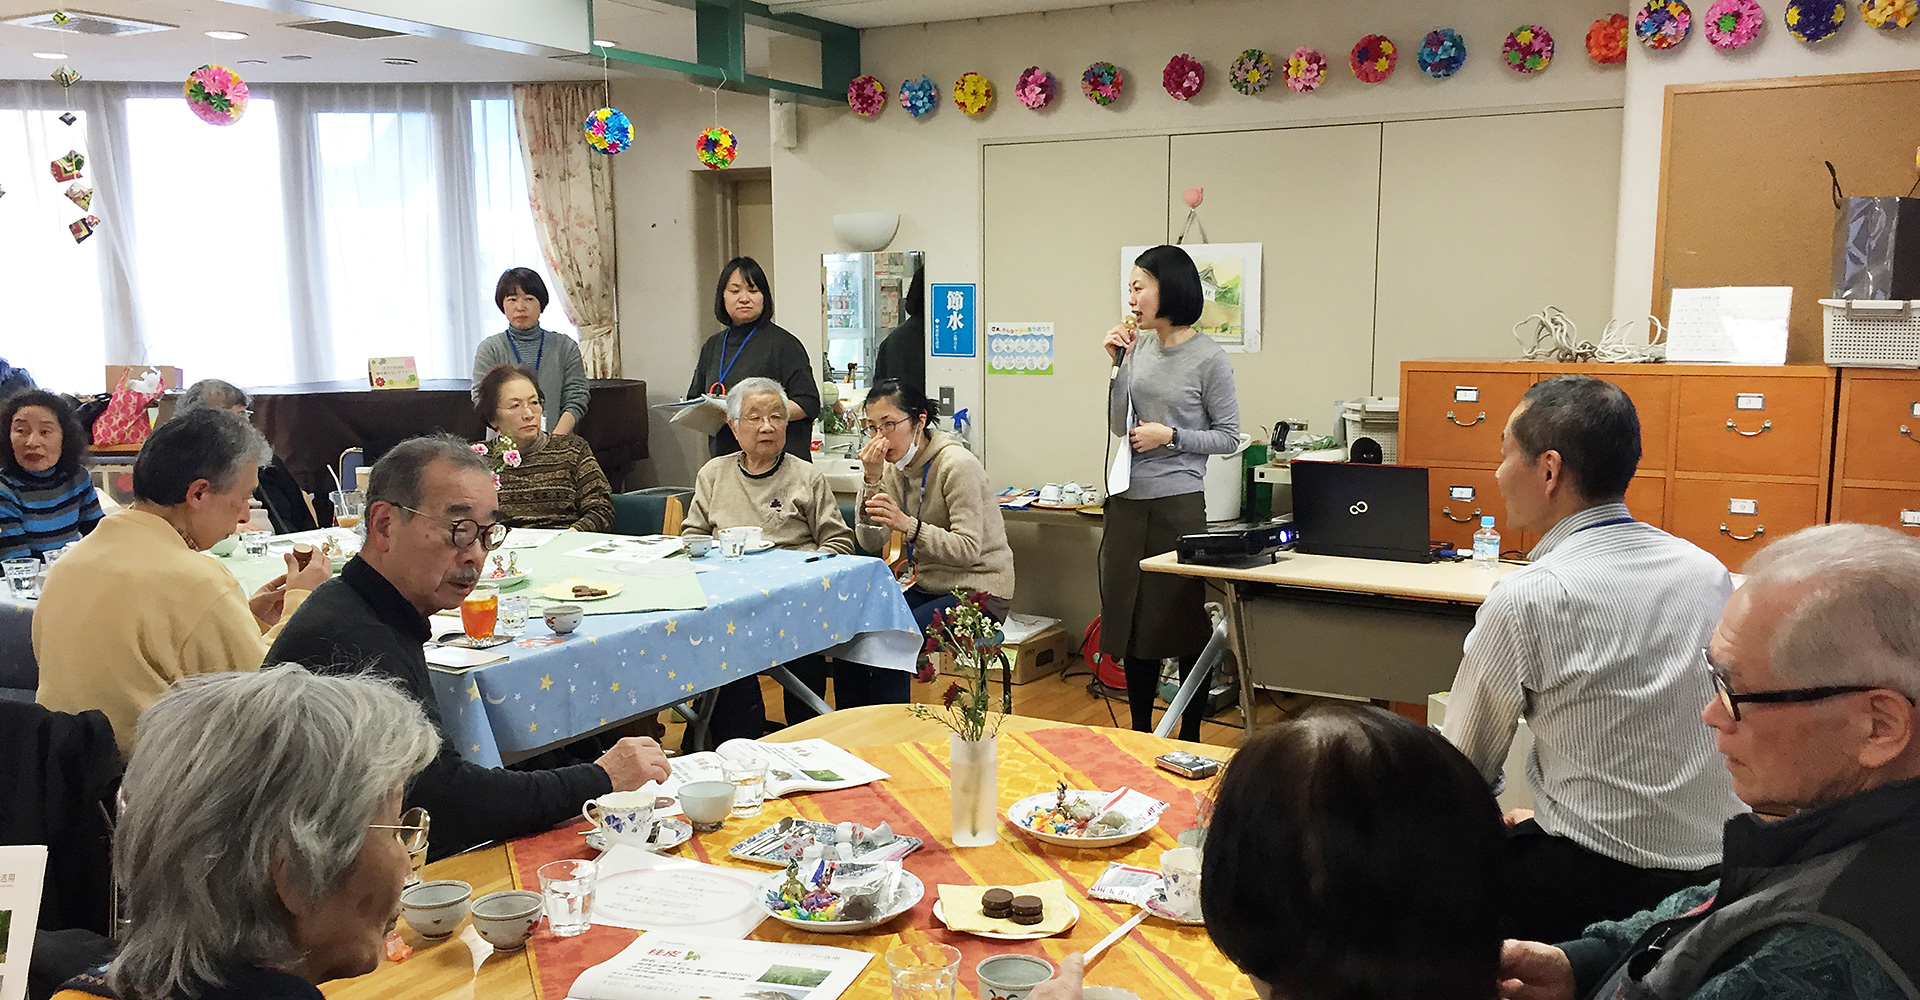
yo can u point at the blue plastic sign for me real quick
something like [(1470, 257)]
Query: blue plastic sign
[(955, 323)]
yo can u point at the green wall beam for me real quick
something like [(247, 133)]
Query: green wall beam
[(720, 46)]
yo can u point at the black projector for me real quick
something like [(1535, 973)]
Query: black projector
[(1237, 543)]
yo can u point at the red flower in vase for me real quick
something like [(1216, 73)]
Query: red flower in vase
[(951, 695)]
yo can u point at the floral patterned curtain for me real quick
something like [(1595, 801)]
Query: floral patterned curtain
[(571, 189)]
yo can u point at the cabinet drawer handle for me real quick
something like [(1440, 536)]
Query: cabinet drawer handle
[(1447, 512), (1479, 419), (1905, 433), (1765, 426), (1757, 532)]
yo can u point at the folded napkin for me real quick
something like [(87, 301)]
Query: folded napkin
[(960, 905)]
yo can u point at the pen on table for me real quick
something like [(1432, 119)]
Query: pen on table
[(823, 555)]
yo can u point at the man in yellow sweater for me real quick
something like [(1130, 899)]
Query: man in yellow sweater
[(135, 606)]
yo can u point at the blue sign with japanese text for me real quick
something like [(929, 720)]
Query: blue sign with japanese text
[(955, 324)]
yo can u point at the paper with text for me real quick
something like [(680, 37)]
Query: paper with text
[(1732, 325), (672, 965)]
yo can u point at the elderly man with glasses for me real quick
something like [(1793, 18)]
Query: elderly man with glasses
[(432, 517), (1815, 666)]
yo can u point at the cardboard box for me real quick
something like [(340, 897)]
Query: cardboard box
[(1045, 652)]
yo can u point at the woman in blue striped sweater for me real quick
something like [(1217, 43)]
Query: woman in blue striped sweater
[(46, 498)]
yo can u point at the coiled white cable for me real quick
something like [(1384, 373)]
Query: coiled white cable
[(1555, 338)]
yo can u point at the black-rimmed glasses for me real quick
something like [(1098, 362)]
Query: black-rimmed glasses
[(874, 430), (1731, 700), (411, 831), (466, 530)]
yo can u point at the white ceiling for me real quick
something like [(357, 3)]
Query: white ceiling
[(884, 13)]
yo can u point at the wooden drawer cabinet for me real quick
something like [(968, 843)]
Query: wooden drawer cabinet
[(1456, 418), (1754, 424), (1652, 397), (1879, 433), (1735, 518), (1894, 507), (1455, 502), (1647, 499)]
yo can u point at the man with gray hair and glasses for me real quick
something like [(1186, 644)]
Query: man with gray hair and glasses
[(432, 516), (1815, 667)]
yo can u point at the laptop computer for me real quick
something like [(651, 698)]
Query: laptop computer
[(1365, 511)]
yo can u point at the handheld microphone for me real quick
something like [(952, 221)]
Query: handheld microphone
[(1120, 354)]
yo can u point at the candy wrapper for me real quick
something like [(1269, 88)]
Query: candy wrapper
[(1183, 77), (807, 841), (1035, 88), (973, 94), (1090, 814), (1663, 24), (81, 196), (716, 148), (83, 228), (1373, 58), (1251, 73), (1730, 24), (919, 97), (1528, 49), (1442, 53), (1306, 70), (1607, 40), (1124, 883), (1888, 15), (216, 94), (68, 167), (608, 130), (1815, 20), (1102, 83), (867, 96)]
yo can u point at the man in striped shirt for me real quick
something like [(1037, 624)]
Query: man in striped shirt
[(1597, 645)]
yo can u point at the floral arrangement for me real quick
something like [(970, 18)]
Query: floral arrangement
[(1528, 49), (974, 640), (919, 97), (972, 93), (1887, 15), (1730, 24), (216, 94), (1442, 53), (608, 131), (1251, 73), (1306, 70), (1183, 77), (501, 451), (1372, 59), (1102, 83), (716, 148), (1607, 40), (1663, 24), (866, 95), (1035, 88), (1815, 20)]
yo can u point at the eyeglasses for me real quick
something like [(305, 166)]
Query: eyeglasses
[(411, 830), (771, 419), (1731, 701), (874, 430), (466, 530)]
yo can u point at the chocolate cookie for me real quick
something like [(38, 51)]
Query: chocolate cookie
[(996, 904), (1028, 910)]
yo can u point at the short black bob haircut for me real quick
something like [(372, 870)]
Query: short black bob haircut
[(1355, 853), (756, 277), (1594, 427), (486, 395), (1181, 298), (909, 398), (73, 439), (520, 281)]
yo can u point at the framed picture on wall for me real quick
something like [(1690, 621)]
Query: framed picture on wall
[(1230, 281)]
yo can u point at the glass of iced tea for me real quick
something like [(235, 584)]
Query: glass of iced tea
[(349, 506), (478, 613)]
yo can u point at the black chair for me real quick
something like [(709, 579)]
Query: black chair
[(19, 671)]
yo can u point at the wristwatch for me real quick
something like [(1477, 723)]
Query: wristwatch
[(1173, 443)]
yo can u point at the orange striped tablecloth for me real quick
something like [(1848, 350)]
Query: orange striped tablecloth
[(1158, 960)]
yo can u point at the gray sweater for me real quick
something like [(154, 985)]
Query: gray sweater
[(562, 374), (1190, 389)]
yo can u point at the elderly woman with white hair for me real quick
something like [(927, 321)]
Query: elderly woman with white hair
[(262, 849)]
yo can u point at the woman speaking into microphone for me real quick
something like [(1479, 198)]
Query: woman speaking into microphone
[(1172, 403)]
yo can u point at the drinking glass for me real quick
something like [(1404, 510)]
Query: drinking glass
[(255, 544), (566, 889), (733, 543), (53, 555), (749, 780), (478, 614), (923, 971), (21, 574), (349, 506), (513, 615)]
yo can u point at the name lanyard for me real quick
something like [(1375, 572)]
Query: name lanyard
[(742, 349), (1605, 524), (921, 509), (537, 358)]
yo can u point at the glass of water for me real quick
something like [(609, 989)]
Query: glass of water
[(733, 543), (749, 778), (255, 543), (924, 971), (22, 576), (513, 615), (566, 887)]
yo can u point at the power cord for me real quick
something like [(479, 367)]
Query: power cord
[(1555, 338)]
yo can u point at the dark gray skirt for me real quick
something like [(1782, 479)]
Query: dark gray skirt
[(1150, 615)]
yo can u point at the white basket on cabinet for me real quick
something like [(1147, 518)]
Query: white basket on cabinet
[(1872, 333), (1376, 417)]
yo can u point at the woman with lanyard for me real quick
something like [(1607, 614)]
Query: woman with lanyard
[(553, 357), (753, 347), (1172, 403)]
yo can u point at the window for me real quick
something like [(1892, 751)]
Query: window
[(507, 237), (54, 323)]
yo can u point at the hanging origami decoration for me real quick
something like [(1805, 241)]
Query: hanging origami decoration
[(216, 94), (1373, 58), (1663, 24), (1442, 53), (68, 118), (83, 228), (609, 131), (1730, 24), (1815, 20), (867, 96), (973, 94), (1528, 49), (1306, 70), (1888, 15), (1183, 77), (919, 97), (1035, 88), (1102, 83), (66, 76), (1607, 40), (81, 196), (61, 19), (716, 148), (1251, 73), (68, 167)]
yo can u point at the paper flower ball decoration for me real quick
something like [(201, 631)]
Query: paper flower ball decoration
[(1306, 70), (1442, 53), (1035, 88), (66, 76), (608, 131), (1815, 20), (1607, 40), (716, 148), (1887, 15), (1251, 73), (1663, 24), (1102, 83), (1730, 24), (919, 97), (1183, 77), (1528, 49), (866, 95), (216, 94), (1372, 59), (972, 93)]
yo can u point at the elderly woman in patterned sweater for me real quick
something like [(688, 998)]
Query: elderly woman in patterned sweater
[(46, 498), (555, 482)]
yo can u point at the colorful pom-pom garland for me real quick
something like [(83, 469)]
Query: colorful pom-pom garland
[(1663, 24), (973, 94), (1036, 88), (1306, 70), (867, 96), (1251, 73), (1528, 49), (608, 131), (1607, 40), (716, 148), (1730, 24), (1102, 83), (1888, 15), (919, 97), (1183, 77), (216, 94), (1814, 21), (1373, 58), (1442, 53)]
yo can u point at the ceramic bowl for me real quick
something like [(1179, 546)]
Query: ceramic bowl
[(506, 919), (436, 908), (698, 545), (225, 546), (707, 803), (563, 618), (1011, 977)]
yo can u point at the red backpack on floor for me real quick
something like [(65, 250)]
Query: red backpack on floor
[(1107, 670)]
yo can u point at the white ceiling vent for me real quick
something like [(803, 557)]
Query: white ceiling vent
[(88, 23), (342, 29)]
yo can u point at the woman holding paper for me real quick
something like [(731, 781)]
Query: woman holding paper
[(1172, 403), (753, 347), (546, 480)]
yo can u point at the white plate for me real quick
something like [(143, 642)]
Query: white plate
[(762, 547), (668, 834), (502, 582), (1155, 903), (1017, 812), (940, 914), (906, 897), (563, 591)]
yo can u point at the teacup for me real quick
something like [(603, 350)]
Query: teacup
[(435, 909), (225, 546), (506, 919), (623, 817), (1050, 493), (707, 803), (1180, 868), (1070, 493), (1012, 977), (563, 618), (698, 545)]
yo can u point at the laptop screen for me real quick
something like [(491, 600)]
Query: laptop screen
[(1367, 511)]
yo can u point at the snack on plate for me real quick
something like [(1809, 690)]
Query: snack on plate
[(498, 570), (582, 590), (998, 903), (1028, 910), (1075, 817), (815, 899)]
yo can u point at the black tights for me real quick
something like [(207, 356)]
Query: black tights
[(1143, 692)]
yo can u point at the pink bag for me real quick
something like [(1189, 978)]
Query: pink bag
[(125, 421)]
